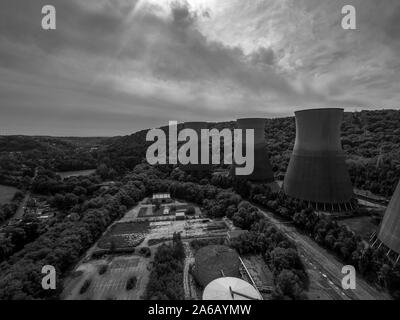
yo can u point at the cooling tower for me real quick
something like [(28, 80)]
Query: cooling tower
[(197, 126), (317, 170), (389, 232), (262, 166)]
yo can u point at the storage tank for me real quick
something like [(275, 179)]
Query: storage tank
[(215, 261), (262, 167), (389, 232), (317, 171), (229, 288)]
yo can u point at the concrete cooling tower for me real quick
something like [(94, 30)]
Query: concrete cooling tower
[(197, 126), (317, 170), (389, 232), (262, 166)]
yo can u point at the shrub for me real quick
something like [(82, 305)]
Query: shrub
[(131, 283), (85, 286), (145, 251), (103, 269), (191, 211)]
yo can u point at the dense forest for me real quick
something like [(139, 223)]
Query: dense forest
[(84, 216), (84, 207)]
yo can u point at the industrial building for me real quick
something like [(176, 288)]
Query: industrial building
[(262, 167), (215, 261), (389, 232), (317, 171), (197, 126), (180, 215), (161, 197)]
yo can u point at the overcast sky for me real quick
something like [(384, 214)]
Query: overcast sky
[(113, 67)]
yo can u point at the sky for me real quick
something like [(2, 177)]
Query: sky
[(113, 67)]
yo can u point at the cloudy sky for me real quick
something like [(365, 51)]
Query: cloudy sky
[(113, 67)]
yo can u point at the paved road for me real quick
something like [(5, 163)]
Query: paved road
[(325, 263), (188, 261)]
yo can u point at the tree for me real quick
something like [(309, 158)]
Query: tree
[(191, 211), (131, 283), (288, 286)]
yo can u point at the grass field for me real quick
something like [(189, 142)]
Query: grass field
[(6, 193), (124, 235)]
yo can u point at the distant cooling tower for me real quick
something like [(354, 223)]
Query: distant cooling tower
[(262, 166), (389, 232), (197, 126), (317, 170)]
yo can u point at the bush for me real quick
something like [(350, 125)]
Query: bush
[(145, 251), (191, 211), (131, 283), (103, 269)]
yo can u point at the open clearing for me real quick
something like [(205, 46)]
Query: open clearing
[(361, 225), (6, 193), (67, 174)]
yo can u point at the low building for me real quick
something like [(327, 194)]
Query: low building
[(161, 197), (180, 215)]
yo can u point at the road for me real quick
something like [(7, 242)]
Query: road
[(188, 261), (325, 263), (21, 210)]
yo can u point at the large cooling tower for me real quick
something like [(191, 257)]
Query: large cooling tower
[(262, 166), (197, 126), (389, 232), (317, 170)]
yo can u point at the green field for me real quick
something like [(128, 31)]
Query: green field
[(6, 193)]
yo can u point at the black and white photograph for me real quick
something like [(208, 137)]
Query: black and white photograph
[(204, 157)]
